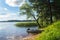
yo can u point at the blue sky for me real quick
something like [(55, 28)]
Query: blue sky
[(9, 10)]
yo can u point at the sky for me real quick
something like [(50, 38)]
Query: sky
[(9, 10)]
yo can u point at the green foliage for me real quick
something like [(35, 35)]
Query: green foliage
[(42, 8), (48, 12), (26, 24), (57, 9), (52, 32), (26, 10)]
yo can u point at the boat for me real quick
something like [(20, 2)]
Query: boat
[(34, 30)]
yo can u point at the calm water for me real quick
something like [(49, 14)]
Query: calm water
[(8, 31)]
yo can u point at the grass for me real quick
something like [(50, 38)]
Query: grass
[(26, 24), (52, 32)]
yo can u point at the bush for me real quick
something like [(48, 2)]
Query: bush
[(52, 32)]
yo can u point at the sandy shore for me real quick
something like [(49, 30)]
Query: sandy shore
[(30, 37)]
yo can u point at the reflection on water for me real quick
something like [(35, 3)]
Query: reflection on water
[(8, 31)]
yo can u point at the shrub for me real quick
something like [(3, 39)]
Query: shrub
[(52, 32)]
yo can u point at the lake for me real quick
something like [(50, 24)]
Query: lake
[(8, 31)]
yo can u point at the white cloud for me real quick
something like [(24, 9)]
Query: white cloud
[(5, 14), (11, 16), (14, 3), (5, 9)]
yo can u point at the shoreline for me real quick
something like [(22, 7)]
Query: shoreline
[(26, 24), (30, 37)]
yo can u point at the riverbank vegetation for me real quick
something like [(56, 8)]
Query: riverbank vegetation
[(43, 11), (52, 32), (26, 24), (46, 13)]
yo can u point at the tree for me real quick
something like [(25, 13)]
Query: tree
[(27, 10), (46, 10), (41, 6), (57, 9), (51, 8)]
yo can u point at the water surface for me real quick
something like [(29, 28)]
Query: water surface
[(8, 31)]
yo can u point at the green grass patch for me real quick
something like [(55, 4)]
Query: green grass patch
[(52, 32), (26, 24)]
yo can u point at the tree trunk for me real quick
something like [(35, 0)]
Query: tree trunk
[(49, 7), (36, 20)]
